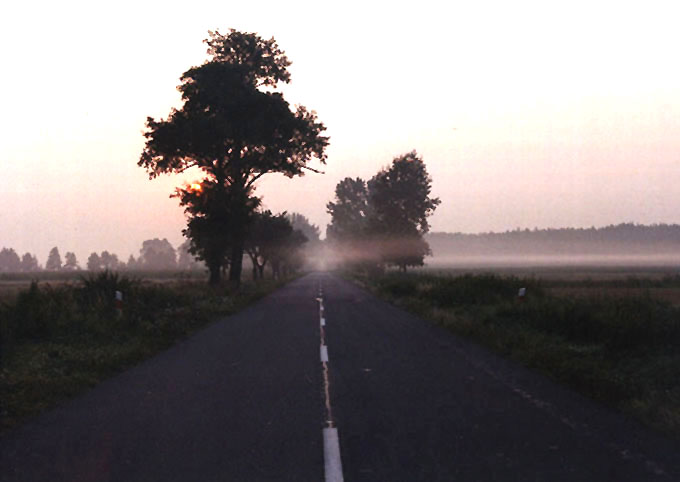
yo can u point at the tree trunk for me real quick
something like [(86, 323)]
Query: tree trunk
[(215, 274), (261, 269), (253, 261), (236, 263)]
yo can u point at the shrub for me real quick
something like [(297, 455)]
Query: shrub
[(40, 312), (398, 285), (99, 290)]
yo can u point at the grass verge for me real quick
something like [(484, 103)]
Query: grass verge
[(622, 351), (57, 341)]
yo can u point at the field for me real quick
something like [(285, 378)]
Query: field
[(611, 333), (12, 283), (65, 334)]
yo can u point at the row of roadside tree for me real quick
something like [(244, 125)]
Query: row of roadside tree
[(274, 240)]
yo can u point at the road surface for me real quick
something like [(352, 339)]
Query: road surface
[(320, 380)]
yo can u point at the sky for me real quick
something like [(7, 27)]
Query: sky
[(527, 114)]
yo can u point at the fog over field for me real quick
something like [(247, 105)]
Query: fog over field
[(624, 244), (491, 261)]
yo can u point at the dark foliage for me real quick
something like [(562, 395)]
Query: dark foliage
[(9, 261), (382, 222), (235, 131)]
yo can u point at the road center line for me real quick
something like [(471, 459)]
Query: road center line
[(331, 455), (331, 445)]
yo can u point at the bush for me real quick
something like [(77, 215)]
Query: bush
[(40, 312), (398, 285), (99, 290), (463, 290)]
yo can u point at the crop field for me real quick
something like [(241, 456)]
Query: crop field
[(610, 333), (11, 284)]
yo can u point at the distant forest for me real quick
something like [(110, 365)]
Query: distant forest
[(622, 240)]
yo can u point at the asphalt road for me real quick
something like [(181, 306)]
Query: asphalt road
[(248, 398)]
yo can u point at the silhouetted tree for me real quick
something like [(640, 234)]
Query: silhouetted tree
[(53, 260), (302, 224), (157, 254), (349, 212), (236, 128), (313, 248), (213, 215), (94, 263), (267, 238), (70, 262), (29, 263), (186, 260), (384, 220), (349, 229), (109, 261), (9, 260), (288, 257), (400, 205), (131, 263)]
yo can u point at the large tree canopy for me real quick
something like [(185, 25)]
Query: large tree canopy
[(155, 254), (231, 130), (400, 196), (235, 127), (384, 220), (350, 210)]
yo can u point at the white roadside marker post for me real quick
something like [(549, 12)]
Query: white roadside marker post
[(119, 304), (522, 294)]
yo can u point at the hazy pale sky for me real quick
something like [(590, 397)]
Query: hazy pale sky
[(528, 114)]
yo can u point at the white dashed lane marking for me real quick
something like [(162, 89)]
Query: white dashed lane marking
[(331, 444), (331, 455)]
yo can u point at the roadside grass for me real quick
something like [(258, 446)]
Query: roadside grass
[(619, 350), (56, 341)]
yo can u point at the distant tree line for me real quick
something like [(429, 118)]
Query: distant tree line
[(273, 241), (382, 222), (620, 239), (154, 255), (11, 262)]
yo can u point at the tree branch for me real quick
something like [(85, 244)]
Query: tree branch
[(313, 170), (255, 178)]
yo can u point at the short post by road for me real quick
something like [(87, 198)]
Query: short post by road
[(522, 294), (119, 303)]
